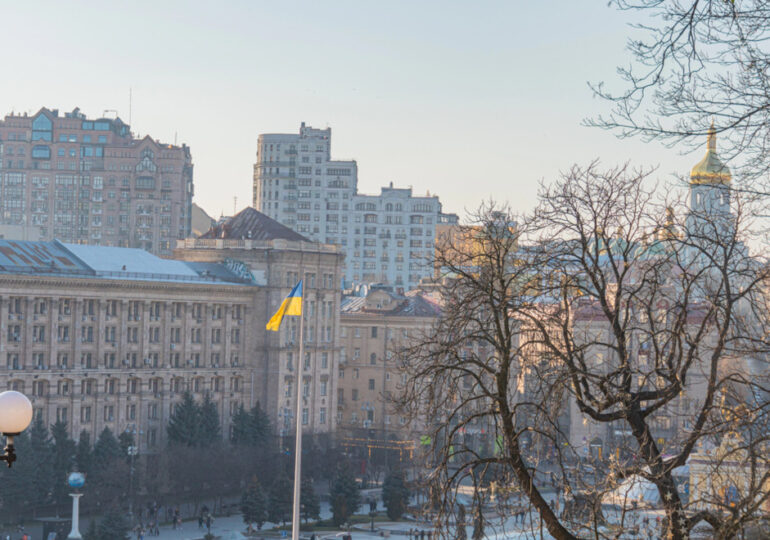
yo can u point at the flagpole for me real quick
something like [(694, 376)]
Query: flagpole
[(298, 416)]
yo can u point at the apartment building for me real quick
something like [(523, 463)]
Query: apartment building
[(373, 329), (386, 238), (89, 181)]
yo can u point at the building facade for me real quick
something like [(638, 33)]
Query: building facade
[(386, 238), (277, 258), (112, 337), (89, 181), (373, 329)]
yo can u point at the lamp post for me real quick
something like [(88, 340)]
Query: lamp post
[(15, 416), (76, 481), (132, 451)]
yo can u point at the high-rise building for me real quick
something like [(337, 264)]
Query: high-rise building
[(386, 238), (89, 181)]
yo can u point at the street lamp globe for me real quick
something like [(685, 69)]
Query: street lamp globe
[(76, 480), (15, 412)]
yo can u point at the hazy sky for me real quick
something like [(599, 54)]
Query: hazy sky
[(463, 99)]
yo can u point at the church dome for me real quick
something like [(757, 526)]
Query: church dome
[(710, 169)]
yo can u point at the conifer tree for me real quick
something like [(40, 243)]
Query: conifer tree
[(310, 505), (254, 504), (184, 424), (395, 494), (210, 430), (344, 495), (84, 453), (113, 526), (63, 452), (280, 498), (241, 423), (106, 450)]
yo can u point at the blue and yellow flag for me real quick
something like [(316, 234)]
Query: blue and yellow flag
[(291, 305)]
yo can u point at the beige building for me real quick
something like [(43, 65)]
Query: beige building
[(89, 181), (111, 337), (276, 258), (372, 331)]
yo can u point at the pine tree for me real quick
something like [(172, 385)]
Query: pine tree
[(64, 450), (254, 504), (91, 533), (113, 526), (106, 450), (310, 505), (241, 423), (84, 453), (125, 440), (344, 495), (395, 494), (209, 428), (280, 498), (39, 458), (461, 533), (250, 428), (260, 425), (184, 424)]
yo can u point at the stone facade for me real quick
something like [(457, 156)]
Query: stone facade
[(90, 181), (98, 349), (373, 329), (278, 258)]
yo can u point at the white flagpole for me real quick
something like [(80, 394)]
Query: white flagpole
[(298, 416)]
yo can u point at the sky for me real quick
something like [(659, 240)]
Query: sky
[(466, 100)]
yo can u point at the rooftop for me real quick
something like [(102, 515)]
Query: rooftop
[(101, 262), (249, 224)]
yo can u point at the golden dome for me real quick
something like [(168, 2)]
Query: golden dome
[(710, 170)]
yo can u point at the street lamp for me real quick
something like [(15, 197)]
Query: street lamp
[(76, 481), (15, 416)]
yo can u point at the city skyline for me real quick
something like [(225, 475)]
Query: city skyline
[(462, 110)]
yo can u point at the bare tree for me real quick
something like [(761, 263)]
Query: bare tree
[(602, 313), (694, 61)]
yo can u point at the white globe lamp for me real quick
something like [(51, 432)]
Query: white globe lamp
[(15, 417)]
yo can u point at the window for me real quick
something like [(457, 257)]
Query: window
[(322, 415), (373, 359), (304, 417), (354, 394), (374, 331), (371, 384)]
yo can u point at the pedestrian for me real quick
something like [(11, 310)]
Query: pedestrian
[(209, 519), (422, 534)]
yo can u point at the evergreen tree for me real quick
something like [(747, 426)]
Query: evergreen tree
[(63, 462), (113, 526), (106, 450), (125, 440), (209, 428), (250, 428), (310, 505), (84, 453), (461, 533), (27, 486), (184, 423), (344, 495), (241, 423), (280, 498), (91, 533), (254, 504), (395, 494), (260, 425)]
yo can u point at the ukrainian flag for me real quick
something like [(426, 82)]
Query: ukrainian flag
[(291, 305)]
